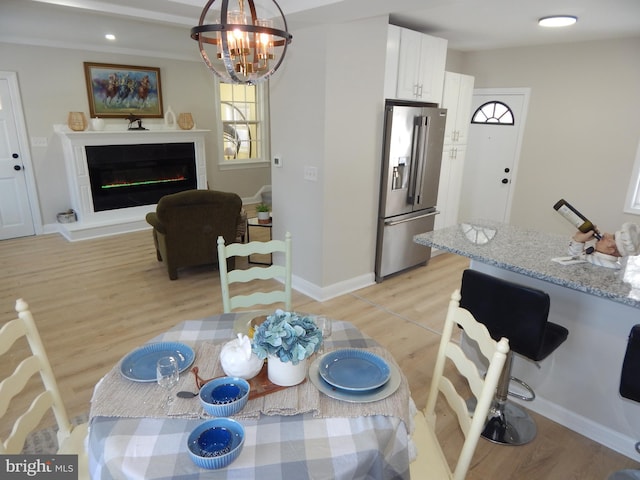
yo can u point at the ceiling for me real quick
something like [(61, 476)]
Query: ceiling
[(161, 27)]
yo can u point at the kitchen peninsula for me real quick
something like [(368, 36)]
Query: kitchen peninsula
[(577, 386)]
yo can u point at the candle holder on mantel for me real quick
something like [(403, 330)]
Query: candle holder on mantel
[(185, 121), (77, 121)]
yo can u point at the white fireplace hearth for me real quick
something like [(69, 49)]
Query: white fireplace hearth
[(92, 223)]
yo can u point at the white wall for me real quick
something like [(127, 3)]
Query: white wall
[(52, 83), (326, 111), (582, 130)]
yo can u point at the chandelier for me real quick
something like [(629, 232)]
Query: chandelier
[(249, 44)]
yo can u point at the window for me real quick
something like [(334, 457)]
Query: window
[(632, 204), (243, 110), (496, 113)]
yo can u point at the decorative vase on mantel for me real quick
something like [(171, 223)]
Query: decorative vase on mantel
[(97, 124), (77, 121), (285, 374), (185, 121)]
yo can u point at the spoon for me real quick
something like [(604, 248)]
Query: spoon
[(185, 394)]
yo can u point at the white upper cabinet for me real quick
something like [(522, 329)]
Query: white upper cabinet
[(456, 98), (421, 63), (391, 65)]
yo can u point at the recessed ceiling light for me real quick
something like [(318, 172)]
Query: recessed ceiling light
[(557, 21), (110, 36)]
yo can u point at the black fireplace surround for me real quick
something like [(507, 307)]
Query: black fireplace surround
[(124, 176)]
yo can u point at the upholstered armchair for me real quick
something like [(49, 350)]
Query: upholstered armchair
[(187, 224)]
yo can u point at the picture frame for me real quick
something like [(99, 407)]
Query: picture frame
[(123, 91)]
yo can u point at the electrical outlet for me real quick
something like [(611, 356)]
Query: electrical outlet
[(311, 174), (39, 141), (277, 161)]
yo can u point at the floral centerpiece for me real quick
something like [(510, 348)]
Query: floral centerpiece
[(288, 336)]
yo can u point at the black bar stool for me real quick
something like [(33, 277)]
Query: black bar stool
[(630, 388), (519, 313)]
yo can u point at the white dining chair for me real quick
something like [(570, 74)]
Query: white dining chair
[(71, 440), (282, 273), (431, 462)]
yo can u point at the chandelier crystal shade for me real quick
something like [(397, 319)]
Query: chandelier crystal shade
[(242, 43)]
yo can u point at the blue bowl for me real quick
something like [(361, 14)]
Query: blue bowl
[(216, 443), (224, 396)]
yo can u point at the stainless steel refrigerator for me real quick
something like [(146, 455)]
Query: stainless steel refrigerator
[(411, 157)]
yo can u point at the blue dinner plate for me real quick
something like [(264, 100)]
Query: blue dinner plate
[(354, 370), (140, 365), (373, 395)]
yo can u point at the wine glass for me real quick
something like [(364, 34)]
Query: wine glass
[(167, 375), (324, 324)]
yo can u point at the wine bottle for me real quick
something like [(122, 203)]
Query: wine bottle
[(575, 218)]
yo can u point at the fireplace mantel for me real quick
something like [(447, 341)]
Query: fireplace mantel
[(92, 224)]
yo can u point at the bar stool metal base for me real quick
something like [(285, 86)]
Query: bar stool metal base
[(507, 424)]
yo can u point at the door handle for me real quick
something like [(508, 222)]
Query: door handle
[(17, 168), (505, 180), (14, 155), (391, 223)]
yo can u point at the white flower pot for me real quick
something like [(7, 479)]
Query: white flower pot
[(264, 217), (286, 374)]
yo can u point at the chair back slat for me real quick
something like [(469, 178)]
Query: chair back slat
[(279, 273)]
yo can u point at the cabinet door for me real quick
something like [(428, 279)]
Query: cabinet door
[(450, 186), (391, 65), (463, 112), (443, 189), (409, 64), (450, 102), (433, 57), (456, 98)]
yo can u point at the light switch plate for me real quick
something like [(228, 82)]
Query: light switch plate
[(311, 174), (39, 141)]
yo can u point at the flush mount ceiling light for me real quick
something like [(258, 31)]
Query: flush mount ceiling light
[(250, 43), (557, 21)]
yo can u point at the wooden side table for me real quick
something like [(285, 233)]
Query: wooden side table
[(253, 223)]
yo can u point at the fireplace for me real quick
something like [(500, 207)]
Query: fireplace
[(125, 176), (116, 177)]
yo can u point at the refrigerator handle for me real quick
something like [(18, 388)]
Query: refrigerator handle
[(421, 158), (418, 152), (415, 155), (390, 223)]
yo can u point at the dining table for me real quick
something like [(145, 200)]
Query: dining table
[(308, 431)]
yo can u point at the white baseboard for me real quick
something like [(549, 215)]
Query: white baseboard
[(77, 231), (322, 294), (594, 431)]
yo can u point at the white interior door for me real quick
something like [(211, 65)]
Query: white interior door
[(16, 217), (492, 157)]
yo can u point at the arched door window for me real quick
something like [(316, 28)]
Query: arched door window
[(493, 112)]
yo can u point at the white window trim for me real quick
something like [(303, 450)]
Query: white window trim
[(241, 164), (632, 203)]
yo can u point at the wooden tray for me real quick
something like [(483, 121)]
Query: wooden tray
[(260, 385)]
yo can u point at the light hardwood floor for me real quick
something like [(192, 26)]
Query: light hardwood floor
[(96, 300)]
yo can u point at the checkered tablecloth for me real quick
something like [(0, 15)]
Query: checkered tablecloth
[(295, 447)]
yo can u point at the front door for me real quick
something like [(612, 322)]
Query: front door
[(16, 218), (493, 151)]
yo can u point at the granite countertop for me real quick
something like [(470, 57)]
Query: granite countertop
[(529, 252)]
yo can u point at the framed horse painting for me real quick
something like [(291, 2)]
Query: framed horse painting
[(122, 91)]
